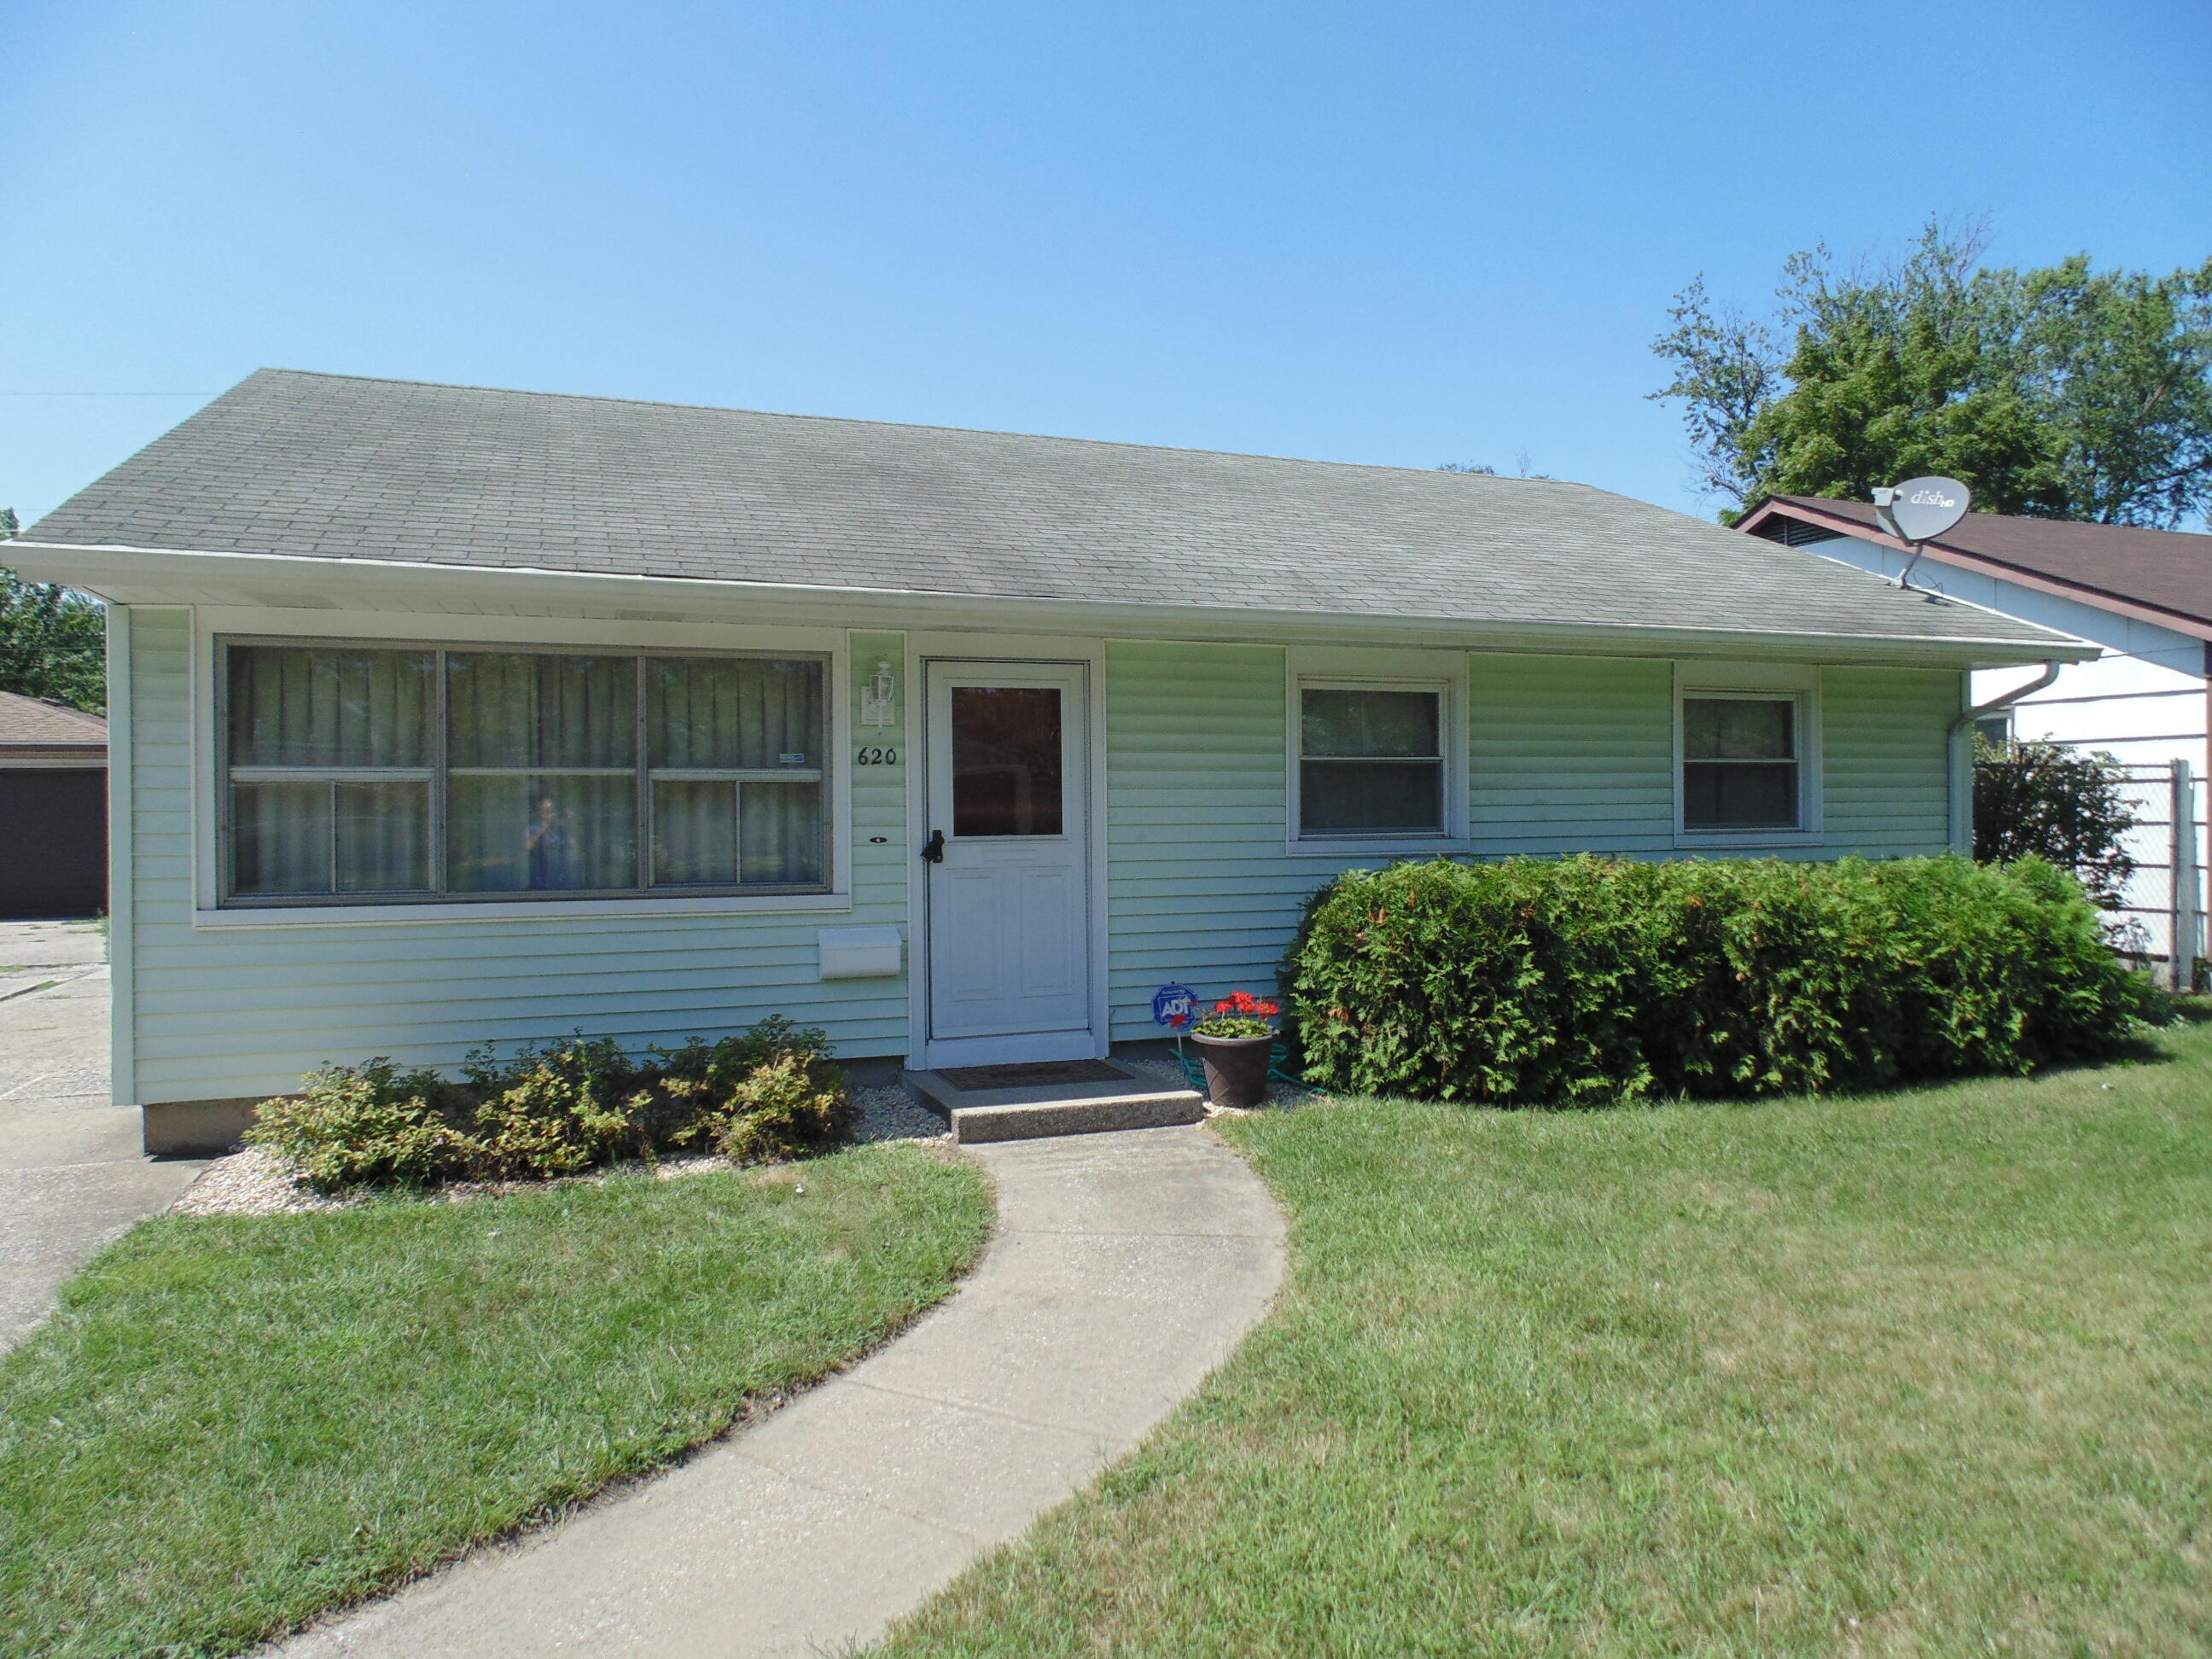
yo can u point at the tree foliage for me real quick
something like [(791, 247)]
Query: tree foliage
[(2051, 801), (2063, 392), (52, 640)]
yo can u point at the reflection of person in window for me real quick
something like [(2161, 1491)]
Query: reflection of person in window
[(552, 846)]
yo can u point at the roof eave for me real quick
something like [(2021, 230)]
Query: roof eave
[(144, 575), (1982, 564)]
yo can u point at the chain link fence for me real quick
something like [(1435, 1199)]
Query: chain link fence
[(2160, 920)]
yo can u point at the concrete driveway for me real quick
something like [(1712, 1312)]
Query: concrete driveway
[(71, 1175)]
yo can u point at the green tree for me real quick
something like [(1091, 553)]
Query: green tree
[(52, 640), (2053, 801), (2063, 393)]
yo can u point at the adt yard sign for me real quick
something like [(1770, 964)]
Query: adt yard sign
[(1172, 1004)]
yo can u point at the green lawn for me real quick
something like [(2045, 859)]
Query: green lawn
[(237, 1421), (1924, 1374)]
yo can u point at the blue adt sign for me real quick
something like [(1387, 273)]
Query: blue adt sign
[(1172, 1004)]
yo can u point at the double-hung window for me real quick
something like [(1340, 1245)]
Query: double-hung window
[(1377, 750), (358, 773), (1743, 766)]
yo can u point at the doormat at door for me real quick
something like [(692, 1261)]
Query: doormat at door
[(1038, 1075)]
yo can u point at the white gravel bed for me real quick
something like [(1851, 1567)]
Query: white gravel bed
[(255, 1182)]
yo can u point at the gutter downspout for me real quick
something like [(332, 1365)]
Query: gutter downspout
[(1962, 755)]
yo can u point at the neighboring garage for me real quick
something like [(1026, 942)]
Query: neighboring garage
[(53, 809)]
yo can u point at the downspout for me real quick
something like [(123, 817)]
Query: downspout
[(1962, 757)]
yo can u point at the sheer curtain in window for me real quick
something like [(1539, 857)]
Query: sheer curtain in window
[(541, 790), (330, 753), (734, 745)]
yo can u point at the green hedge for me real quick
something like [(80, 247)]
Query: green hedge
[(1585, 979)]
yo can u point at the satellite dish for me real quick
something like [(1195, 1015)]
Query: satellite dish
[(1921, 508)]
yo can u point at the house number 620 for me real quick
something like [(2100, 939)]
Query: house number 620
[(877, 758)]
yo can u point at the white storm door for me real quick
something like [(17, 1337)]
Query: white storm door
[(1009, 898)]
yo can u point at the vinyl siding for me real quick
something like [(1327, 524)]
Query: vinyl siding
[(229, 1013), (1564, 754), (1886, 759), (1571, 754), (1199, 887)]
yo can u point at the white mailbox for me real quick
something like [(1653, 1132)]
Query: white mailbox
[(858, 952)]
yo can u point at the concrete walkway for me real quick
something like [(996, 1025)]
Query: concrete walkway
[(72, 1174), (1125, 1267)]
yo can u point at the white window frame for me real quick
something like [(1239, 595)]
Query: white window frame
[(1799, 685), (1358, 668), (214, 625)]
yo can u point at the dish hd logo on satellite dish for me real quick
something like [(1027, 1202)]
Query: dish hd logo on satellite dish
[(1920, 509)]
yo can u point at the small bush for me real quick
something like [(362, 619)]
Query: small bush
[(769, 1093), (1583, 979), (555, 1110), (794, 1103), (366, 1125)]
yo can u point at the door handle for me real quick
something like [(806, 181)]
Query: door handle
[(932, 850)]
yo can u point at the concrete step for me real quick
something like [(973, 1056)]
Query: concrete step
[(1091, 1107)]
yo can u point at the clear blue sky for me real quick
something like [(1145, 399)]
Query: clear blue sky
[(1399, 233)]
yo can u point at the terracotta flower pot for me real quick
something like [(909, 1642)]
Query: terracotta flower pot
[(1236, 1068)]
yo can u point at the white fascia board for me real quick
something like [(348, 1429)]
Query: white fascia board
[(143, 575)]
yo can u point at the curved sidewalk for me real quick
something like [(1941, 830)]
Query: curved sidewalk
[(1126, 1267)]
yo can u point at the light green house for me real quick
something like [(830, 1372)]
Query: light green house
[(442, 715)]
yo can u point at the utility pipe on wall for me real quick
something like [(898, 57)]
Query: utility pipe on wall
[(1962, 761)]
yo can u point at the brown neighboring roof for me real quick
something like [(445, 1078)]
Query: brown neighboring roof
[(2162, 575), (30, 724)]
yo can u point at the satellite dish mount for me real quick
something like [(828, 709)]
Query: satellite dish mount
[(1917, 511)]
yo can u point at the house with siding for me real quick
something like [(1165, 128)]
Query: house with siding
[(2143, 598), (443, 715)]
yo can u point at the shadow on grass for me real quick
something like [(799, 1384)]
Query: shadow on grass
[(2139, 1050)]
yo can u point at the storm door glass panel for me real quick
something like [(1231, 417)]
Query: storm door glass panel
[(1739, 763), (1007, 759), (541, 791), (329, 752), (736, 749), (1371, 762)]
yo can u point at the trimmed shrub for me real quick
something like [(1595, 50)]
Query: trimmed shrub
[(770, 1093), (1584, 978)]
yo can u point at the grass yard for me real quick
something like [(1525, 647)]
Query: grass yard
[(237, 1421), (1924, 1374)]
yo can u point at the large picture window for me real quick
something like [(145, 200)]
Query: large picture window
[(410, 772)]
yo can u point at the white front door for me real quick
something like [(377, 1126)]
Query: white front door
[(1009, 883)]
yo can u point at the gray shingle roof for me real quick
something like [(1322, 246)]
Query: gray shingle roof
[(329, 466)]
